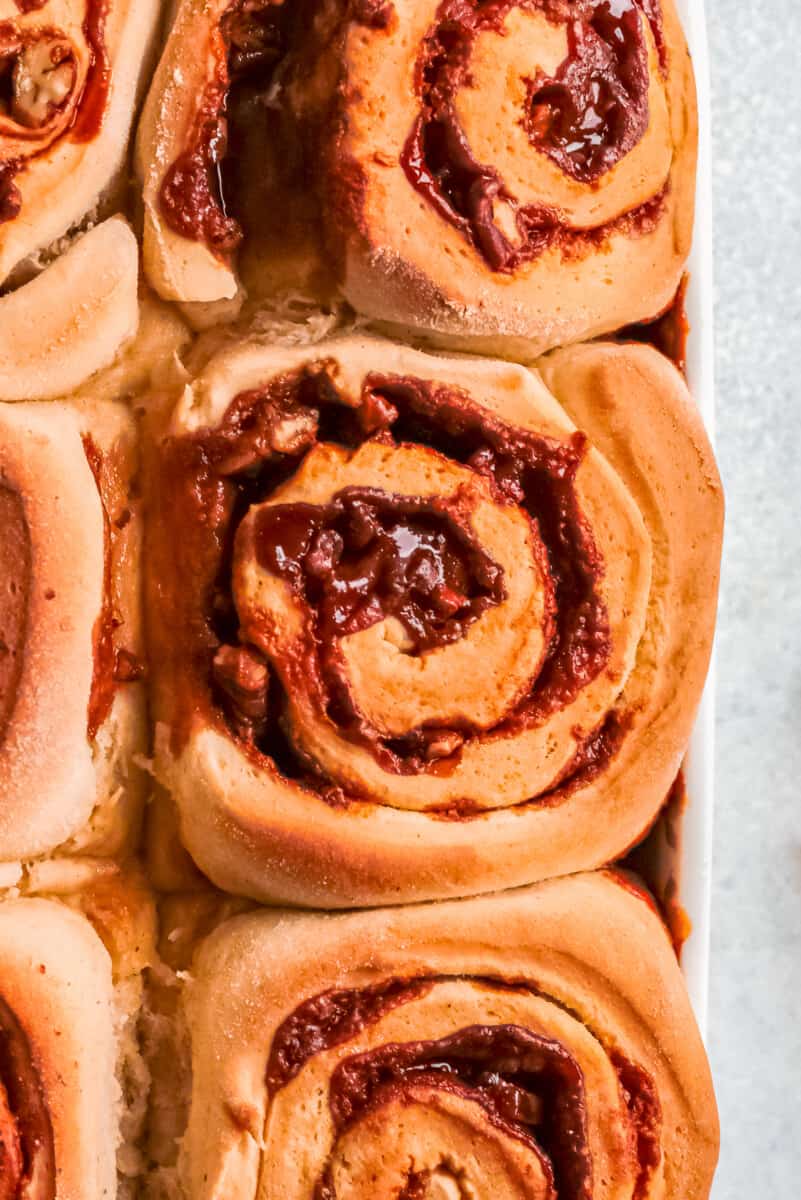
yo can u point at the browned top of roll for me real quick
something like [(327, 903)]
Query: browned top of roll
[(68, 623)]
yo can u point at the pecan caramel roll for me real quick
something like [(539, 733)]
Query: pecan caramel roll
[(524, 1046), (512, 176), (422, 626)]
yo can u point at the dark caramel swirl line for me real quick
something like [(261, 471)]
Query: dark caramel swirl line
[(530, 1086), (214, 477)]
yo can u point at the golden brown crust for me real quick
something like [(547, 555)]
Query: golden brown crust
[(582, 961), (56, 980), (70, 732), (58, 161), (258, 833), (180, 268), (71, 321), (610, 246)]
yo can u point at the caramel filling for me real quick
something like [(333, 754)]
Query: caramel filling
[(586, 119), (15, 586), (195, 195), (370, 555), (366, 555), (331, 1019), (530, 1087), (595, 109)]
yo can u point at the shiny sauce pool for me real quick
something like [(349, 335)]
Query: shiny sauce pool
[(368, 555)]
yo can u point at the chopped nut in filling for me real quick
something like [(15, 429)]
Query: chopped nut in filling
[(36, 79)]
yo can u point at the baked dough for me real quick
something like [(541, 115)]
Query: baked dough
[(356, 1055), (58, 1094), (73, 320), (71, 696), (534, 256), (347, 766), (506, 179)]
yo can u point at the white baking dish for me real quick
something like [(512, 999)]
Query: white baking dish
[(696, 856)]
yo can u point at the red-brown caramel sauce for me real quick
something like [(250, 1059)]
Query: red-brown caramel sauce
[(195, 197), (645, 1112), (369, 555), (27, 1154), (538, 475), (212, 479), (15, 585), (92, 105), (415, 1187), (331, 1019), (595, 109), (244, 155), (593, 754), (586, 118), (656, 862), (10, 195), (192, 197), (113, 664), (530, 1086), (668, 332)]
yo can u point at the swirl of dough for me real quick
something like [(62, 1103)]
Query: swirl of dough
[(501, 1046), (411, 617)]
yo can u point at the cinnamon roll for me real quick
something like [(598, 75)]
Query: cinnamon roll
[(526, 1045), (71, 667), (425, 626), (62, 1108), (69, 75), (512, 175)]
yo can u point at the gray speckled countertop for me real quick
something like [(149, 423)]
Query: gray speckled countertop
[(755, 1020)]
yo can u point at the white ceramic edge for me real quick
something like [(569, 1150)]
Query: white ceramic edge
[(696, 859)]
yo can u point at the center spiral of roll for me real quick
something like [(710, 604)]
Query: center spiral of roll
[(54, 79), (488, 1089), (27, 1157), (407, 597), (582, 139)]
